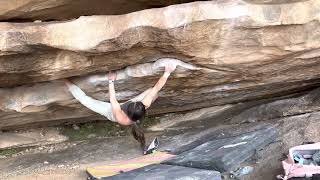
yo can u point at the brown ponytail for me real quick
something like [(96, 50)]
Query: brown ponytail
[(138, 134)]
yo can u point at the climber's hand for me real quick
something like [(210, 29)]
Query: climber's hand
[(112, 76), (170, 68)]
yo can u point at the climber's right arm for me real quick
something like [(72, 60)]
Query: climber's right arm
[(120, 116)]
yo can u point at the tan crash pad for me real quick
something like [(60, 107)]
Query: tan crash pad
[(115, 168)]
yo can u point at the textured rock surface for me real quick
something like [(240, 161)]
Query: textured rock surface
[(30, 138), (245, 52), (164, 172), (226, 154), (194, 137), (65, 9), (306, 103)]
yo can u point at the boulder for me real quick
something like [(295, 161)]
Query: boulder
[(47, 10), (226, 154), (177, 141), (241, 51), (299, 104)]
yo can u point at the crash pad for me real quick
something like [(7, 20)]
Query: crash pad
[(167, 172), (113, 168)]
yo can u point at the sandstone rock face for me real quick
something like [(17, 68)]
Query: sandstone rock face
[(66, 9), (30, 138), (226, 52)]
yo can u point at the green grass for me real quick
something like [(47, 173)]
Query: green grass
[(98, 129), (8, 152), (149, 121), (102, 129)]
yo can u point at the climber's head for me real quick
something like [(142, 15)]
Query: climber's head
[(135, 110)]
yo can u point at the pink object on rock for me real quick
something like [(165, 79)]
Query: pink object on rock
[(293, 169)]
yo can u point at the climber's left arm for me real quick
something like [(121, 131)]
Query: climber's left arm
[(153, 92)]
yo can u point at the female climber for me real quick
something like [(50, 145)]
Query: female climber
[(127, 113)]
